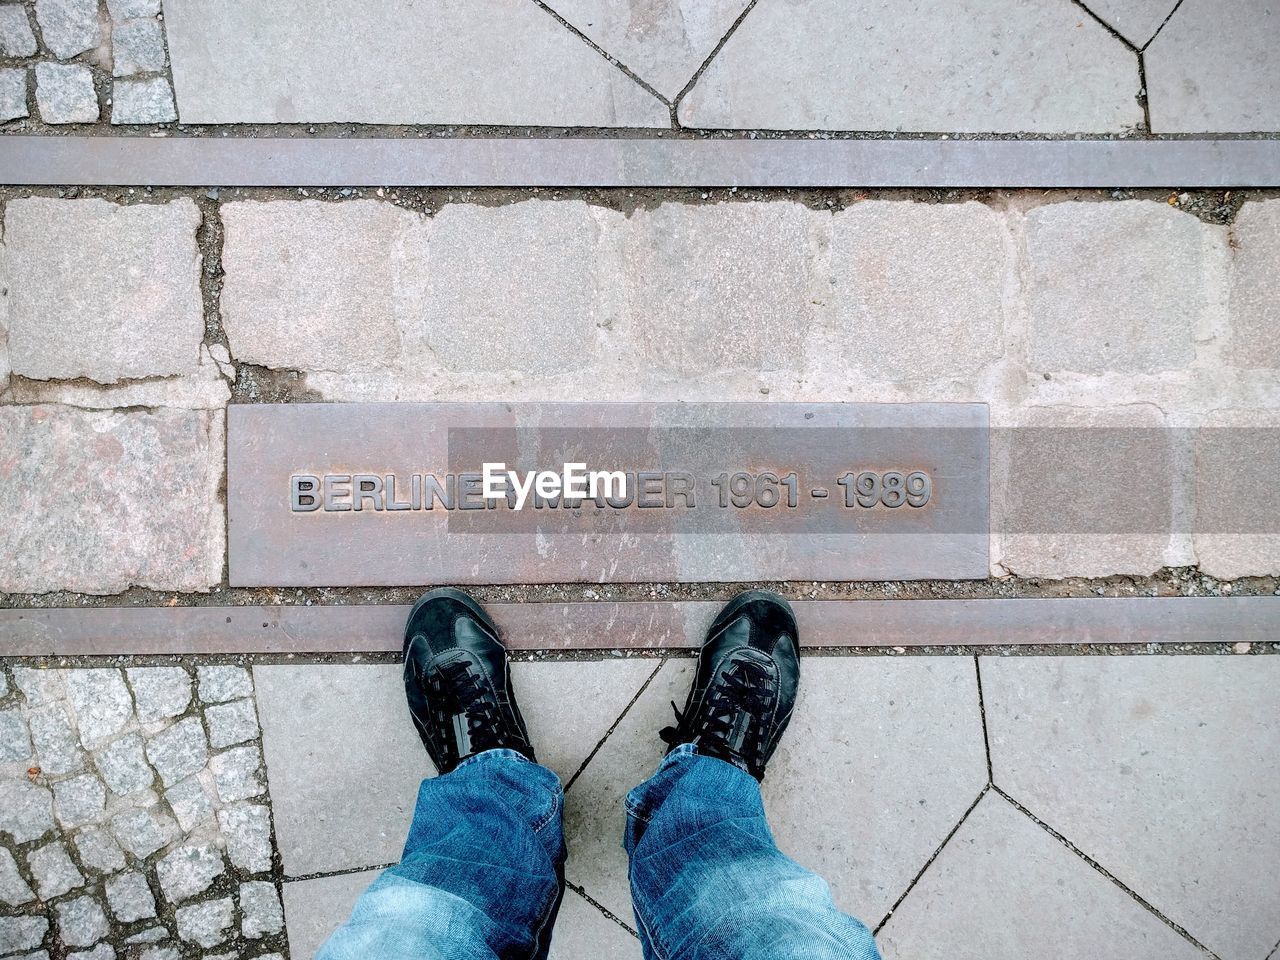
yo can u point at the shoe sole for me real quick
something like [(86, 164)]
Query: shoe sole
[(451, 593)]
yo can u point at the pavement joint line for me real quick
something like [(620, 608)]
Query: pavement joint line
[(662, 662), (986, 788), (609, 914), (656, 626), (322, 874), (1138, 898), (1150, 40), (702, 67), (982, 712), (648, 162)]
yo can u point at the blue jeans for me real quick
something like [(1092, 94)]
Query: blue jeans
[(483, 872)]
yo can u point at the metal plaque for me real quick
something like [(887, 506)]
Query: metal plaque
[(387, 494)]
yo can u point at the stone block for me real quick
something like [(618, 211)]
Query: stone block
[(54, 735), (39, 685), (1001, 869), (53, 871), (1116, 286), (247, 829), (549, 316), (1212, 69), (65, 93), (16, 36), (1080, 492), (103, 291), (13, 104), (15, 738), (123, 765), (231, 723), (142, 101), (22, 933), (839, 65), (1255, 308), (79, 800), (320, 286), (260, 909), (728, 286), (132, 9), (159, 692), (918, 290), (1137, 761), (81, 922), (130, 897), (221, 683), (189, 870), (101, 702), (100, 501), (98, 852), (1237, 518), (316, 61), (137, 46), (178, 751), (237, 773), (69, 27), (14, 891), (206, 924), (143, 832), (190, 803)]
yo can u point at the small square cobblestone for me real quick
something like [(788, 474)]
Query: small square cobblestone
[(79, 800), (123, 765), (231, 723), (206, 924), (81, 922), (238, 774), (219, 684), (65, 94), (16, 36), (53, 871), (260, 909), (15, 739), (159, 692), (189, 870), (14, 891), (179, 751), (137, 46), (57, 745), (101, 701), (130, 898), (98, 851)]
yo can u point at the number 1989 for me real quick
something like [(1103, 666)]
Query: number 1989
[(891, 489)]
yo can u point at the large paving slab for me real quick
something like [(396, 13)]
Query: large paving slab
[(1005, 889), (101, 290), (314, 908), (833, 65), (881, 760), (662, 41), (98, 501), (1255, 309), (344, 794), (1237, 502), (439, 62), (1213, 69), (1162, 769)]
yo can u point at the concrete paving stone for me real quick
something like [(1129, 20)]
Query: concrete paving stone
[(81, 922), (130, 898), (724, 286), (1155, 767), (206, 924), (53, 871), (65, 94), (231, 723), (143, 832), (505, 63), (1004, 889), (101, 702), (159, 692), (313, 909), (1255, 262), (865, 811), (246, 827), (39, 685), (479, 315), (14, 891), (320, 286), (102, 951), (918, 290), (82, 493), (583, 931), (835, 65), (54, 735), (26, 810), (98, 852), (137, 46), (237, 774), (1135, 20), (1055, 520), (13, 105), (68, 26), (663, 42), (142, 101), (190, 803), (188, 870), (103, 291), (1115, 287), (16, 36), (15, 738), (343, 795), (123, 765), (1211, 68), (1237, 502), (178, 751), (21, 933), (79, 800), (218, 684), (132, 9), (260, 909)]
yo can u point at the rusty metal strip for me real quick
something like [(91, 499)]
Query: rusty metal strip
[(668, 625), (628, 162)]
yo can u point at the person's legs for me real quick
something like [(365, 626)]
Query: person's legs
[(483, 868), (707, 880)]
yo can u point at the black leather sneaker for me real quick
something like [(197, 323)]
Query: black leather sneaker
[(745, 688), (458, 680)]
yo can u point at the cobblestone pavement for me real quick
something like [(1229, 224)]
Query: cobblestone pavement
[(1110, 67), (1117, 805)]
